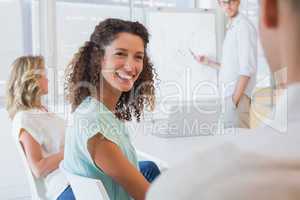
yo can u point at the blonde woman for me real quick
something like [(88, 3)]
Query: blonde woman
[(40, 132)]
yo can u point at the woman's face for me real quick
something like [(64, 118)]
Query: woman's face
[(43, 81), (123, 61)]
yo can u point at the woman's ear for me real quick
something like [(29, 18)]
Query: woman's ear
[(270, 13)]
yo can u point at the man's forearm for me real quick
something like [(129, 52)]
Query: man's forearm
[(240, 88), (214, 64)]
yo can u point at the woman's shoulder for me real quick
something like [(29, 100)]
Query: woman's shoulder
[(90, 109), (25, 114), (34, 117), (84, 108), (28, 120)]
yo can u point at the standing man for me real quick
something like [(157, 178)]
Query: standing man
[(261, 163), (237, 70)]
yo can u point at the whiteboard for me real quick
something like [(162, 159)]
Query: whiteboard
[(172, 35)]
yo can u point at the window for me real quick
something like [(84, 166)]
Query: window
[(80, 17), (76, 19), (76, 22), (11, 38), (164, 3)]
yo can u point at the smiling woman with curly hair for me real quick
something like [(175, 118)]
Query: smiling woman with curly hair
[(84, 72), (110, 81)]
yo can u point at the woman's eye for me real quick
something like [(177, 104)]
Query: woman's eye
[(139, 57), (120, 54)]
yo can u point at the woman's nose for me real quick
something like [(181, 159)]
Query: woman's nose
[(129, 65)]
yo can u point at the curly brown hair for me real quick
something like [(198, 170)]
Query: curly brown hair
[(85, 68)]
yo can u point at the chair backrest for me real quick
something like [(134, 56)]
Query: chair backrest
[(86, 188), (37, 186)]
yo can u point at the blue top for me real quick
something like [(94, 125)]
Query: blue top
[(90, 118)]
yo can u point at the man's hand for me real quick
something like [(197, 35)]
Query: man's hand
[(240, 89), (202, 59), (235, 101)]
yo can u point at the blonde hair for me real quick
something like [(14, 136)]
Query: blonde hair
[(23, 91)]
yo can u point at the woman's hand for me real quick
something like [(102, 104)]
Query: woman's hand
[(40, 166)]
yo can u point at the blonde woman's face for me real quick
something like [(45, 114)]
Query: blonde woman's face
[(43, 82)]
